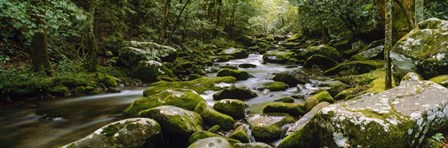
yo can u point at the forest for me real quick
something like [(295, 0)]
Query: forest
[(223, 73)]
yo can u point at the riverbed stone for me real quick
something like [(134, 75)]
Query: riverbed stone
[(274, 86), (175, 119), (355, 67), (238, 74), (132, 133), (289, 108), (400, 117), (215, 142), (213, 117), (150, 71), (232, 107), (423, 50), (183, 98), (280, 57), (322, 96), (240, 133), (237, 53), (235, 92), (319, 60), (266, 127), (252, 145), (292, 78)]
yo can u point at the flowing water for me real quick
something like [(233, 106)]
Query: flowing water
[(52, 123)]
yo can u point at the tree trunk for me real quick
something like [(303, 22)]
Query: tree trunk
[(178, 18), (419, 11), (89, 42), (406, 12), (39, 43), (325, 38), (388, 43), (166, 12)]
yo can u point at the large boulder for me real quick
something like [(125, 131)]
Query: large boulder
[(132, 133), (214, 142), (213, 117), (150, 71), (144, 51), (234, 92), (292, 78), (281, 107), (241, 134), (199, 85), (423, 50), (238, 74), (319, 60), (373, 51), (237, 53), (324, 50), (175, 119), (274, 86), (280, 57), (266, 127), (400, 117), (183, 98), (231, 107)]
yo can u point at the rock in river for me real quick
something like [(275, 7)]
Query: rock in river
[(213, 117), (231, 107), (234, 92), (266, 127), (212, 142)]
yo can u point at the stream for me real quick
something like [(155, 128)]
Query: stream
[(55, 122)]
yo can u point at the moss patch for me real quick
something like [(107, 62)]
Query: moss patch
[(213, 117), (199, 85)]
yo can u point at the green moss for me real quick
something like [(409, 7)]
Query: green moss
[(303, 137), (214, 128), (442, 80), (324, 50), (280, 107), (232, 107), (349, 93), (183, 98), (240, 133), (238, 74), (267, 127), (274, 86), (199, 85), (310, 103), (213, 117), (355, 67), (285, 100), (280, 57), (323, 96), (204, 134), (234, 92), (59, 91)]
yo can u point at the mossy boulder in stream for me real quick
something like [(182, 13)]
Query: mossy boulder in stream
[(231, 107), (237, 53), (149, 71), (355, 67), (251, 145), (280, 57), (238, 74), (373, 51), (240, 133), (143, 51), (319, 60), (289, 108), (266, 127), (292, 78), (205, 134), (183, 98), (235, 92), (175, 119), (213, 117), (274, 86), (132, 133), (403, 116), (199, 85), (217, 142), (324, 50), (423, 50), (322, 96)]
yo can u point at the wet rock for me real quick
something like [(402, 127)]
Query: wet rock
[(324, 50), (292, 78), (403, 116), (319, 60), (149, 71), (199, 85), (289, 108), (238, 74), (251, 145), (232, 107), (266, 127), (322, 96), (144, 51), (217, 142), (247, 65), (234, 92), (285, 100), (355, 67), (224, 58), (175, 119), (423, 50), (237, 53), (205, 134), (132, 133), (213, 117), (373, 51), (183, 98), (280, 57), (411, 76), (240, 133), (274, 86), (333, 87)]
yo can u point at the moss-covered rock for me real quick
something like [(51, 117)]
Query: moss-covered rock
[(373, 51), (144, 51), (251, 145), (237, 53), (322, 96), (149, 71), (234, 92), (211, 142), (400, 117), (411, 76), (280, 57), (232, 107), (355, 67), (324, 50), (224, 58), (132, 133), (213, 117), (442, 80), (289, 108), (423, 50), (247, 65), (333, 87), (292, 78), (319, 60), (266, 127), (199, 85), (240, 133), (356, 47), (274, 86), (285, 100), (238, 74), (206, 134), (183, 98), (175, 119)]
